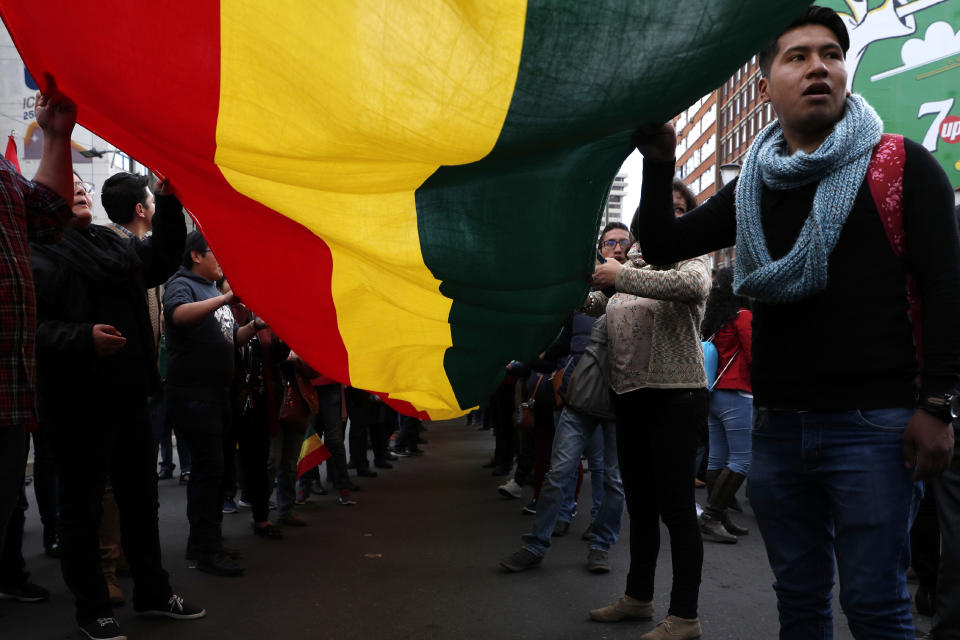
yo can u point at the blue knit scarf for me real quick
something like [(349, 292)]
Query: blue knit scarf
[(839, 165)]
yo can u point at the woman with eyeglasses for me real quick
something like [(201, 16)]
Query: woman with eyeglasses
[(655, 364)]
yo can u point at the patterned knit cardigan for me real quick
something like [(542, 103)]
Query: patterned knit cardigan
[(676, 356)]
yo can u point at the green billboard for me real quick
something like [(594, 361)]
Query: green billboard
[(904, 59)]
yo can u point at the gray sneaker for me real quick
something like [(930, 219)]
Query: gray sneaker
[(597, 561), (521, 560)]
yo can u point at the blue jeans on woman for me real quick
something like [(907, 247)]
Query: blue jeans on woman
[(827, 485), (730, 424)]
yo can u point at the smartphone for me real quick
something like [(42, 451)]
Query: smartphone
[(600, 258)]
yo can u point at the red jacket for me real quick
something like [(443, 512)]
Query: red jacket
[(735, 338)]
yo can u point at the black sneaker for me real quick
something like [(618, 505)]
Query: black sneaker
[(530, 508), (521, 560), (26, 591), (597, 561), (366, 473), (218, 564), (102, 629), (176, 607)]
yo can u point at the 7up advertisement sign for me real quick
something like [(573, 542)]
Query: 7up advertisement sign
[(904, 59)]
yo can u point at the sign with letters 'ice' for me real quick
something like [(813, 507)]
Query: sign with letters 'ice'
[(904, 59)]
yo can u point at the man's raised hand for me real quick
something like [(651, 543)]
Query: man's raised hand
[(658, 143), (56, 113)]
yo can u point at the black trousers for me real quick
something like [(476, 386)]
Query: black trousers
[(12, 439), (253, 438), (45, 477), (657, 448), (202, 418), (505, 434), (108, 437), (366, 425), (380, 434), (13, 568)]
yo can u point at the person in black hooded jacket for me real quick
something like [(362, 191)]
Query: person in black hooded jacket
[(96, 366)]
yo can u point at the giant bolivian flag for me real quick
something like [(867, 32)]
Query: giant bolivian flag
[(408, 191)]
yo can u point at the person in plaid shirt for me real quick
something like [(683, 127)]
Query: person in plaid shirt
[(35, 211)]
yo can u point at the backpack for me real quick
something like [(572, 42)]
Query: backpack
[(885, 179), (711, 358)]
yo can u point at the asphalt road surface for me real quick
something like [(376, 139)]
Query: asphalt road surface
[(416, 559)]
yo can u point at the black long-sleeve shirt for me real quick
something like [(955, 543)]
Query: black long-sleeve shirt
[(71, 298), (851, 345)]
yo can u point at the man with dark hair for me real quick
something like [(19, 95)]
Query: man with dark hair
[(614, 242), (201, 338), (577, 429), (130, 205), (842, 432), (128, 201), (97, 365)]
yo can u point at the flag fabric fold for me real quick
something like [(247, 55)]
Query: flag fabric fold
[(408, 192)]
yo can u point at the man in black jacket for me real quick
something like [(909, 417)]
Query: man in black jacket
[(96, 367), (842, 431)]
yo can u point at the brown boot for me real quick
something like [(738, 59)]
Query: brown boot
[(674, 628), (626, 608)]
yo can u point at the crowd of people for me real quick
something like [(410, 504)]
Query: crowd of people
[(807, 370), (115, 338), (808, 366)]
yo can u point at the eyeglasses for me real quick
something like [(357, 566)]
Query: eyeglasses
[(610, 244), (87, 186)]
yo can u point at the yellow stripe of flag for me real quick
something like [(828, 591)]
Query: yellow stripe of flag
[(374, 109)]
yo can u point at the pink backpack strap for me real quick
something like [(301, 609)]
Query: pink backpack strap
[(885, 178)]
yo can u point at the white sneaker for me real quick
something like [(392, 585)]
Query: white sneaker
[(510, 489)]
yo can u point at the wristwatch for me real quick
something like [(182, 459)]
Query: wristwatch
[(945, 406)]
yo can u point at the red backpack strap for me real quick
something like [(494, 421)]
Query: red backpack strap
[(885, 178)]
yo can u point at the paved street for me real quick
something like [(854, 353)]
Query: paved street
[(416, 559)]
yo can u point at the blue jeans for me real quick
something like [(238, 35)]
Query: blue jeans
[(730, 423), (593, 452), (833, 484), (573, 431)]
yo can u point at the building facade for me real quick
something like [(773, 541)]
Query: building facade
[(717, 131), (613, 210)]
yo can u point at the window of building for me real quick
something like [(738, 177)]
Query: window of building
[(707, 178)]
